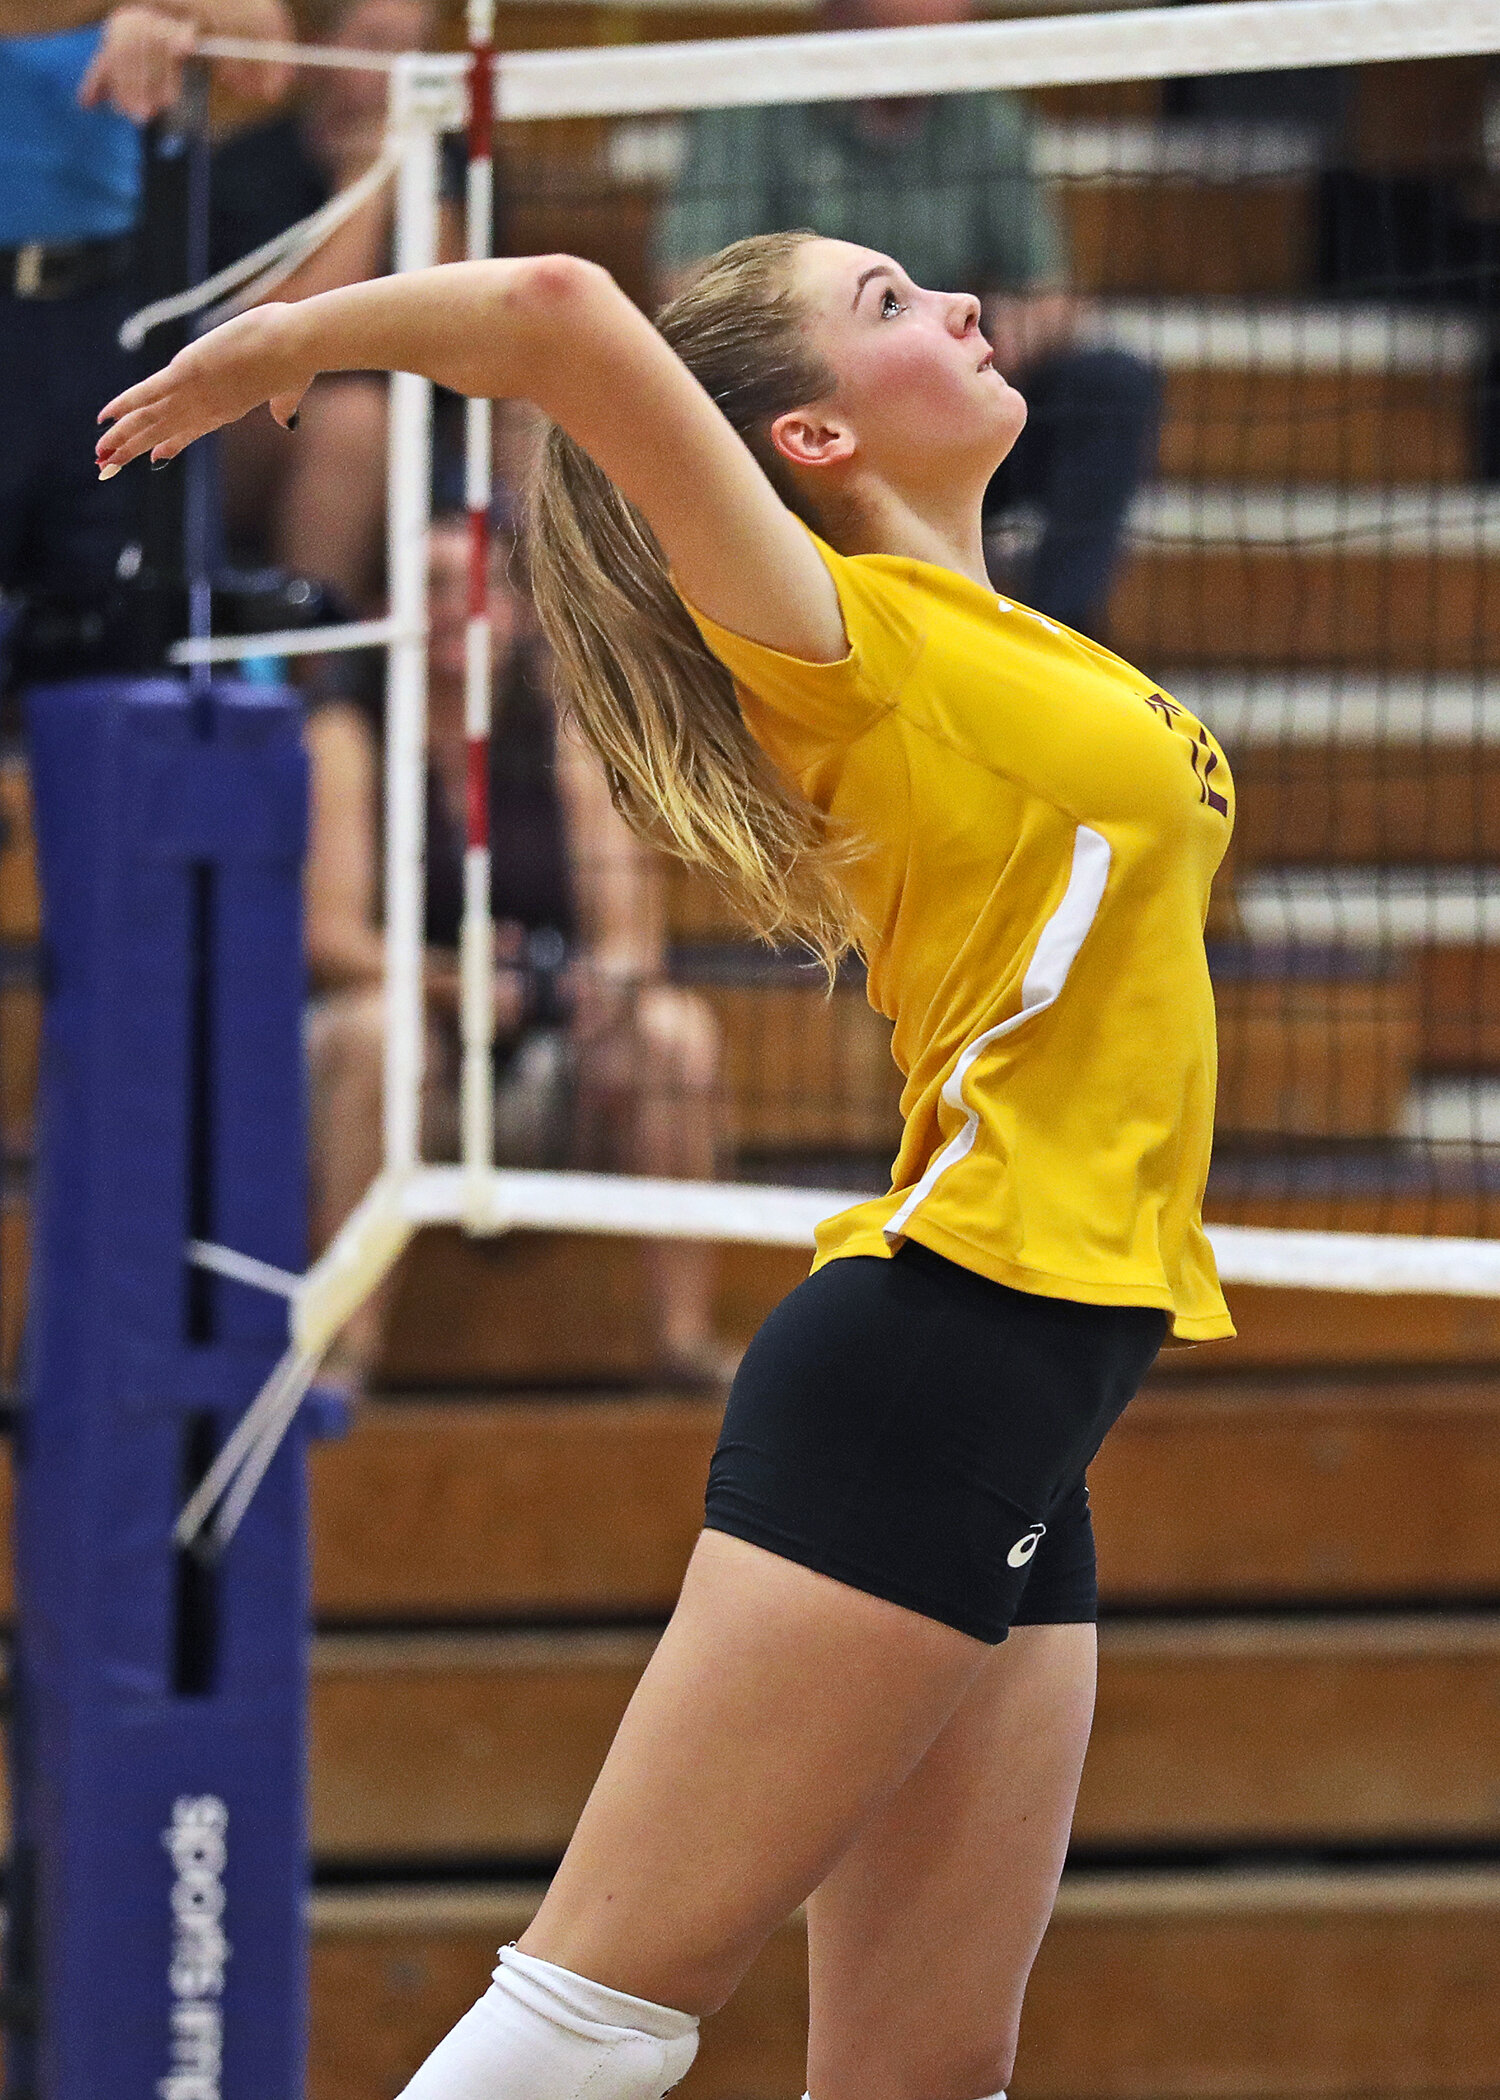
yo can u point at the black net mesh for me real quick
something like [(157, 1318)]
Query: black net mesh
[(1254, 316)]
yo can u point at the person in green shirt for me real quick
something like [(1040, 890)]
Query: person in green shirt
[(947, 184)]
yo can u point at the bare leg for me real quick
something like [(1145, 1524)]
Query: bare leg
[(658, 1080), (921, 1939), (345, 1041), (780, 1712), (345, 1051), (676, 1131), (329, 519), (253, 457)]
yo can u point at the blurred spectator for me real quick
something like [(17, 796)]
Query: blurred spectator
[(600, 1061), (76, 84), (314, 503), (948, 185)]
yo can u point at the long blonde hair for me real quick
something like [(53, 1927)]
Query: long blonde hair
[(648, 694)]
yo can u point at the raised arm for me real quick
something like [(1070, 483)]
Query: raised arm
[(558, 332)]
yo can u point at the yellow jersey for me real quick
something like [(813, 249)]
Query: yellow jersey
[(1041, 825)]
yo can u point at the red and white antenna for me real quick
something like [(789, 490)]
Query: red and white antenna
[(476, 945)]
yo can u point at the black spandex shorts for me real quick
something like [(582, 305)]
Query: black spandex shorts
[(915, 1430)]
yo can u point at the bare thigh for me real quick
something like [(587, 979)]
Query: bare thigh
[(780, 1712), (922, 1937)]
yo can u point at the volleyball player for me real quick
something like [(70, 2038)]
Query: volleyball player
[(756, 548)]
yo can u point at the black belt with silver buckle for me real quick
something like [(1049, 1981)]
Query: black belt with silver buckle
[(63, 269)]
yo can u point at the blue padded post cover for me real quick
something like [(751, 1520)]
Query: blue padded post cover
[(159, 1889)]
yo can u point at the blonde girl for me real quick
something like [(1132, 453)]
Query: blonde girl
[(756, 545)]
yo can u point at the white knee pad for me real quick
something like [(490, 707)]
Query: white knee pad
[(542, 2033)]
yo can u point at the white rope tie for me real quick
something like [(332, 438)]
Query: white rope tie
[(267, 266), (242, 1464)]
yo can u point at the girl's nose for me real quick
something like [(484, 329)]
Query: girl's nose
[(963, 313)]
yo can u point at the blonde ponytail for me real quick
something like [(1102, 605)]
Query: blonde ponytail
[(648, 694)]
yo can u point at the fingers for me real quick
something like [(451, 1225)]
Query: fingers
[(145, 430), (91, 89), (141, 395), (156, 81), (138, 68), (286, 408)]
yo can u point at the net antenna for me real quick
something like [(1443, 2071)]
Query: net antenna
[(476, 90)]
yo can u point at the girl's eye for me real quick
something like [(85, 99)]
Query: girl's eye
[(889, 304)]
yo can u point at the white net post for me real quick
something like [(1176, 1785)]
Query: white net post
[(476, 943), (410, 497)]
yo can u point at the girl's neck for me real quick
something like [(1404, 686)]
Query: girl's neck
[(946, 534)]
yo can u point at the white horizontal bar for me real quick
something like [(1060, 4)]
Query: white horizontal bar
[(1357, 1261), (1371, 907), (1281, 709), (734, 1211), (290, 641), (1245, 36), (624, 1203), (1462, 1112), (653, 150), (1227, 336), (1249, 36), (1413, 520), (1227, 150)]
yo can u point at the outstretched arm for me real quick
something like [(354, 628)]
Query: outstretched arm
[(558, 332)]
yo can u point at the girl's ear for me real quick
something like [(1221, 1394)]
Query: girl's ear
[(806, 439)]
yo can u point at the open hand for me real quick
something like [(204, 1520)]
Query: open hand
[(137, 68), (212, 382)]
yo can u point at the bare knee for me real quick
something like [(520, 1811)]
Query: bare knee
[(679, 1038), (347, 1029)]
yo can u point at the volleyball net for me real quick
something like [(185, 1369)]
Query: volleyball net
[(1244, 259)]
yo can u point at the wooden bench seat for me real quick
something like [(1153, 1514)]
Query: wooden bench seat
[(529, 1309), (1128, 234), (1212, 1491), (1394, 804), (1280, 424), (1269, 605), (1216, 1491), (1315, 1055), (452, 1747), (1244, 1985)]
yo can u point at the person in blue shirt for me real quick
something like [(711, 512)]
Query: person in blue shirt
[(77, 83)]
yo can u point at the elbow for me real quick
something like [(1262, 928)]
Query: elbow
[(558, 298), (559, 284), (553, 300)]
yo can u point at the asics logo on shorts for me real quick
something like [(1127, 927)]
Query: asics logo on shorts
[(1025, 1546)]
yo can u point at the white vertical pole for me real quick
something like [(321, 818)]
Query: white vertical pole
[(410, 471), (476, 942)]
